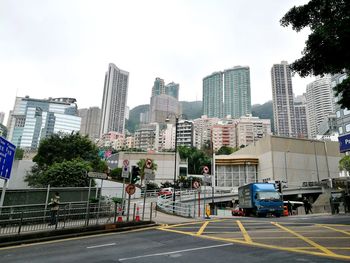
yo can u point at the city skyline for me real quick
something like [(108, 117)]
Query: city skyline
[(64, 52)]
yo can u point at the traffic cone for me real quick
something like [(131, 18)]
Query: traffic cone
[(137, 217), (120, 218)]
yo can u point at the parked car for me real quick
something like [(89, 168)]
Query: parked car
[(237, 211), (166, 191)]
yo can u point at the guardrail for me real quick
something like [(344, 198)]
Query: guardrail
[(30, 218)]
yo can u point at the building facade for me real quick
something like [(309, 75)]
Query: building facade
[(301, 125), (343, 115), (35, 119), (223, 135), (237, 97), (147, 137), (319, 103), (163, 107), (251, 129), (185, 131), (213, 95), (2, 117), (114, 100), (283, 100), (202, 130), (90, 122)]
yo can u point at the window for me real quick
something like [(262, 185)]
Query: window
[(338, 114), (347, 128), (346, 111), (340, 130)]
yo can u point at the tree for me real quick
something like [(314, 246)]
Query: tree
[(65, 174), (344, 163), (19, 154), (197, 159), (64, 160), (327, 47), (226, 150), (142, 165)]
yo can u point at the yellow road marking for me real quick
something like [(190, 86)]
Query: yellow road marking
[(301, 250), (335, 229), (307, 240), (244, 232), (201, 230), (191, 223)]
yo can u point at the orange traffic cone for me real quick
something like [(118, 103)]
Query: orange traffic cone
[(137, 217), (120, 218)]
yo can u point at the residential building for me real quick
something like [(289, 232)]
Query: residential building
[(147, 137), (112, 139), (2, 117), (130, 142), (172, 89), (164, 107), (300, 116), (35, 119), (213, 95), (185, 133), (114, 100), (251, 129), (158, 87), (90, 122), (237, 97), (223, 135), (283, 101), (202, 130), (343, 115), (319, 103)]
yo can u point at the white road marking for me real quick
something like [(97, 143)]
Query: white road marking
[(104, 245), (174, 252)]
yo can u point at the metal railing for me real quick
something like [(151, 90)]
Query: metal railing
[(34, 218)]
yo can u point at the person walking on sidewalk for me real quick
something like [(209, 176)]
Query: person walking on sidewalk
[(54, 206)]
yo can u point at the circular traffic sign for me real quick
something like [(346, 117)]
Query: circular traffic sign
[(149, 163), (130, 189), (126, 162), (196, 184), (205, 169)]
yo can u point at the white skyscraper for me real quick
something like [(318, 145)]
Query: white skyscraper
[(114, 99), (319, 103), (282, 97)]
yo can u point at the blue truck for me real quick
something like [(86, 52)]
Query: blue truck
[(260, 199)]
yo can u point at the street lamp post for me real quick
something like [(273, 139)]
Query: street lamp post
[(175, 164)]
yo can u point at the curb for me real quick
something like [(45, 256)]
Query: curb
[(70, 233)]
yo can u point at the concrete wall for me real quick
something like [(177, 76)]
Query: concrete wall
[(18, 173)]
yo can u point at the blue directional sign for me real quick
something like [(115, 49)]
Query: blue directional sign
[(7, 154), (344, 143)]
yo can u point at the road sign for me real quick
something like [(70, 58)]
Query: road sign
[(149, 163), (196, 184), (344, 143), (125, 172), (207, 179), (112, 161), (98, 175), (7, 154), (126, 162), (205, 170), (130, 189)]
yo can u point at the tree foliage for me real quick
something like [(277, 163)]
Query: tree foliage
[(226, 150), (327, 47), (197, 159), (19, 154), (344, 163), (64, 160)]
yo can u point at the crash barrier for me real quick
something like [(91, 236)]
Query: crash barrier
[(26, 219)]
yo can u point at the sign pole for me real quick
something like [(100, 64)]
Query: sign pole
[(3, 193), (144, 201), (129, 198), (123, 196)]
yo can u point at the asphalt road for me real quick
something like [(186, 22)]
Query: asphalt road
[(294, 239)]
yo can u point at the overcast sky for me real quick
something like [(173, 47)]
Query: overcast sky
[(62, 48)]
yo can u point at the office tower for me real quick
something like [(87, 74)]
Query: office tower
[(2, 117), (114, 99), (343, 115), (237, 98), (158, 87), (90, 122), (319, 103), (35, 119), (213, 95), (300, 116), (283, 101)]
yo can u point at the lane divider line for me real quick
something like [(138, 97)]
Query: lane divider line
[(307, 240), (176, 252), (201, 230), (104, 245), (244, 232), (334, 229)]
